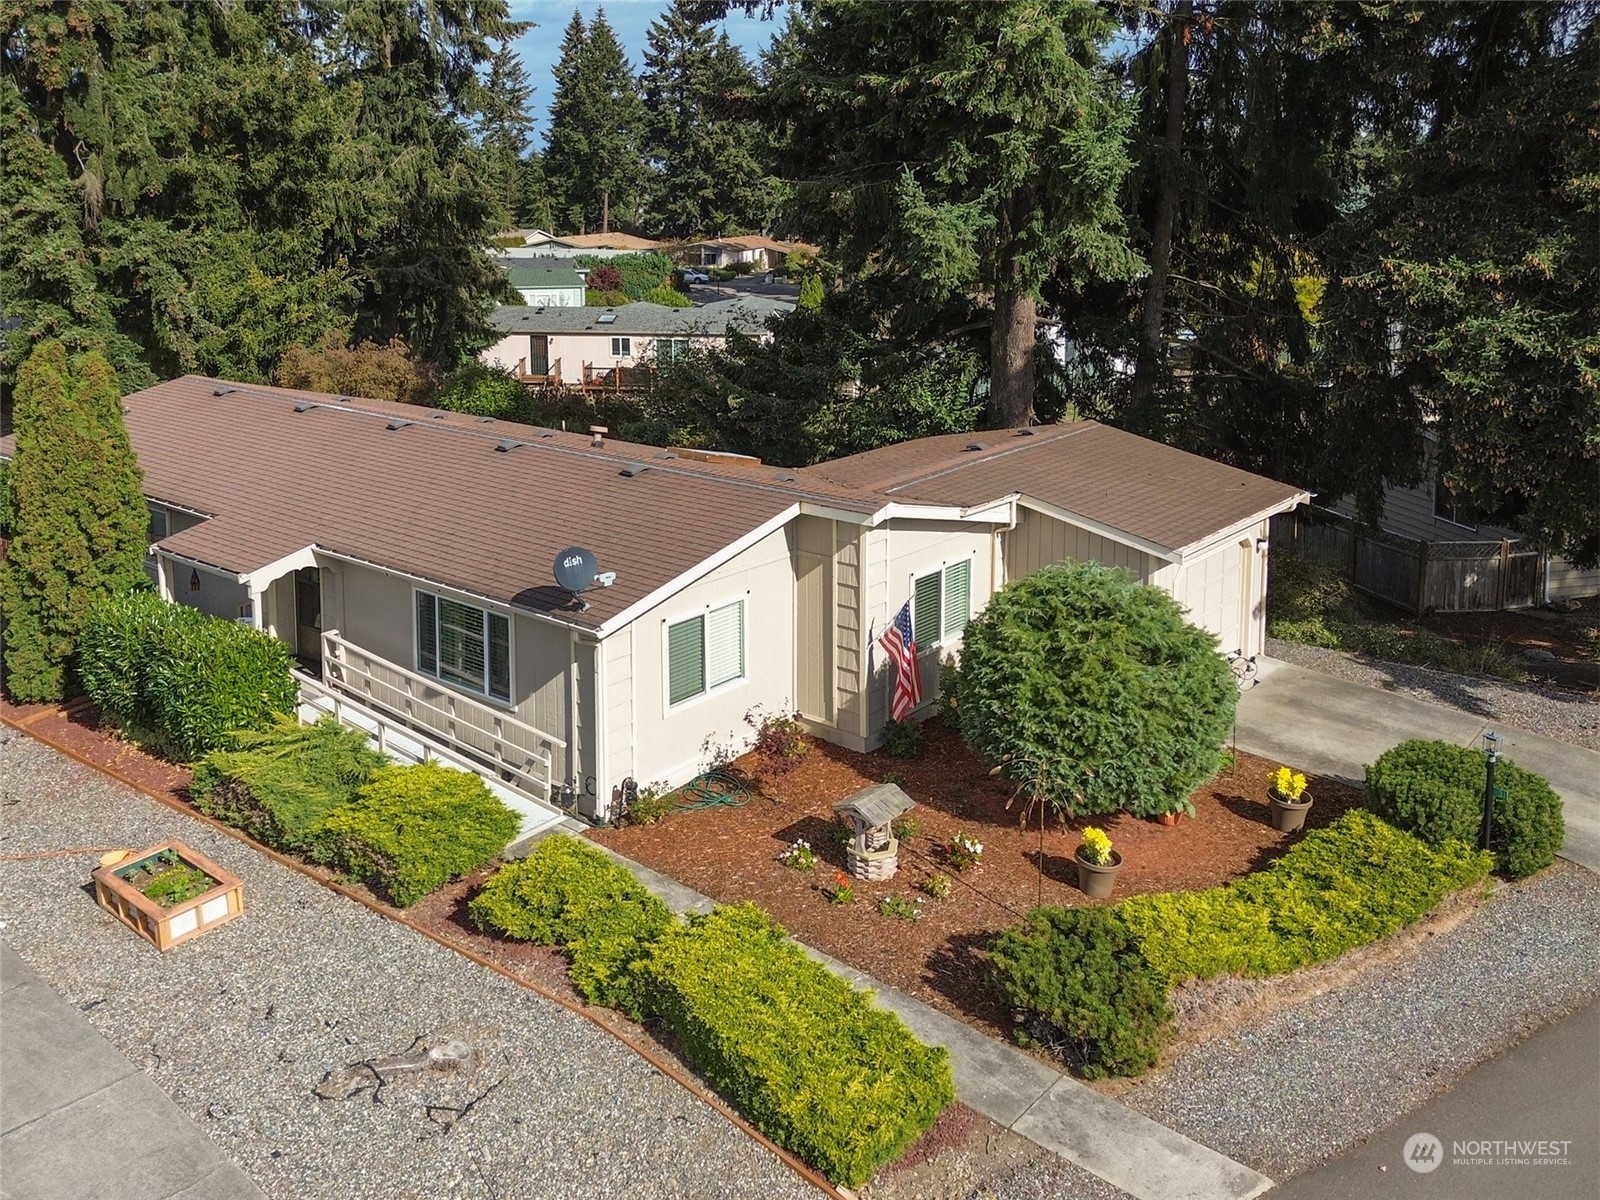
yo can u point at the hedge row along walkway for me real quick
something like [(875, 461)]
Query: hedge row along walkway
[(1333, 727)]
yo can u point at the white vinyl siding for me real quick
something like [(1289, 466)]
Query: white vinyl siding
[(465, 646), (705, 652), (941, 603)]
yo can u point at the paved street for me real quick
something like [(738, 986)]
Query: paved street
[(1546, 1089)]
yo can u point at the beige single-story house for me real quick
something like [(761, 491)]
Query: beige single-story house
[(415, 580), (570, 344), (762, 252)]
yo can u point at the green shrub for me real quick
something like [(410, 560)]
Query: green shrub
[(410, 830), (1435, 790), (569, 894), (1084, 989), (77, 518), (280, 784), (903, 739), (598, 299), (634, 274), (181, 679), (667, 296), (1340, 887), (481, 390), (1095, 690), (808, 1060)]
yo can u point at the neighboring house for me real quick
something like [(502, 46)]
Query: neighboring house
[(1430, 513), (627, 243), (552, 284), (416, 586), (561, 346), (764, 253)]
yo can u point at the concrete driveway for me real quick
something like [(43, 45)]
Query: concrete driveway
[(1333, 727)]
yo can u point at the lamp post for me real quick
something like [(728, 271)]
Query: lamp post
[(1492, 752)]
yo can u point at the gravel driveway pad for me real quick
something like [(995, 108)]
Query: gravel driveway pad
[(241, 1025), (1294, 1088), (1571, 717)]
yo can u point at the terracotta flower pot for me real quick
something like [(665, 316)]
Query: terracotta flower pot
[(1168, 819), (1289, 815), (1096, 880)]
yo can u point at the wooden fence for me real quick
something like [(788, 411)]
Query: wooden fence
[(1420, 577)]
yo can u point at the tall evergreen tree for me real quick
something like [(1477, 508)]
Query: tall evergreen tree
[(706, 176), (592, 165), (504, 128), (960, 151), (79, 522)]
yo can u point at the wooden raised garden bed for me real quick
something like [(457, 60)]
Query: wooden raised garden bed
[(169, 894)]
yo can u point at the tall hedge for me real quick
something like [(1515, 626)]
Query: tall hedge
[(808, 1059), (180, 678), (79, 523), (1096, 687), (1435, 790)]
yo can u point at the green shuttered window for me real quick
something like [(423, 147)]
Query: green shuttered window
[(705, 652), (941, 603), (463, 645)]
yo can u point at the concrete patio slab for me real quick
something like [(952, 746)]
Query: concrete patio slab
[(1334, 727)]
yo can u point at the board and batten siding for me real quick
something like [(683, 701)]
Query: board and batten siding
[(1223, 589), (621, 723), (1040, 540), (375, 610), (670, 740)]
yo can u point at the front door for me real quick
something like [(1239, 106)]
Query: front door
[(308, 616)]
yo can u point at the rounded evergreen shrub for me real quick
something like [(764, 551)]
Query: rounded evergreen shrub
[(1084, 990), (1435, 790), (1095, 690), (481, 390)]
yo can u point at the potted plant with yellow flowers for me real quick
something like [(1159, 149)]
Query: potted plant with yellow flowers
[(1290, 800), (1098, 864)]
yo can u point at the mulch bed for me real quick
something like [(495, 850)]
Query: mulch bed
[(731, 854)]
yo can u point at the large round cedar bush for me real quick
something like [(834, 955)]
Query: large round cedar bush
[(1435, 790), (1096, 688)]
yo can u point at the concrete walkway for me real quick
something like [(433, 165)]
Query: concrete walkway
[(1333, 727), (78, 1120), (1017, 1091)]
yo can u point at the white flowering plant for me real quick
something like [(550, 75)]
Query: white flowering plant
[(799, 856)]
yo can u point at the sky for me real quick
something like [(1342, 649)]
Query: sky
[(540, 47)]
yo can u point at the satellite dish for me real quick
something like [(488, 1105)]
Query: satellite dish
[(575, 569)]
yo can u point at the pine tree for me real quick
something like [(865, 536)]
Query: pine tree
[(591, 161), (963, 152), (706, 177), (79, 520), (504, 127)]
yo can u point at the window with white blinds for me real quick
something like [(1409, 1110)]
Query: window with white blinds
[(705, 652), (941, 603), (463, 645)]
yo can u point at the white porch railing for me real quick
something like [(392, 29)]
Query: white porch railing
[(519, 752)]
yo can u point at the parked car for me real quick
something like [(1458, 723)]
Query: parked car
[(696, 277)]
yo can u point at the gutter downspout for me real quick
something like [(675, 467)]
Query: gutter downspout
[(573, 779)]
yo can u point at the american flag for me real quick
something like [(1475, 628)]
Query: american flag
[(908, 679)]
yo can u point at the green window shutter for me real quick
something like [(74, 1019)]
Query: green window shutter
[(957, 596), (686, 660), (499, 657), (925, 611), (725, 644), (427, 636)]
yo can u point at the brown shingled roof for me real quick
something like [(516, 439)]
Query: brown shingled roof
[(437, 499), (1167, 497)]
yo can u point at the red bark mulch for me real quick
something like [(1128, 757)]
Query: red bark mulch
[(731, 854)]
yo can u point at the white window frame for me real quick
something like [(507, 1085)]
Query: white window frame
[(945, 638), (621, 346), (703, 614), (506, 702)]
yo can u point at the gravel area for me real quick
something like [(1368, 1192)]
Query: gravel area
[(1292, 1089), (1568, 716), (240, 1026)]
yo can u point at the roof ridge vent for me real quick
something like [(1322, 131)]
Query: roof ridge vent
[(306, 406), (1025, 431), (399, 423), (223, 390), (634, 469), (666, 454), (976, 446), (506, 445)]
